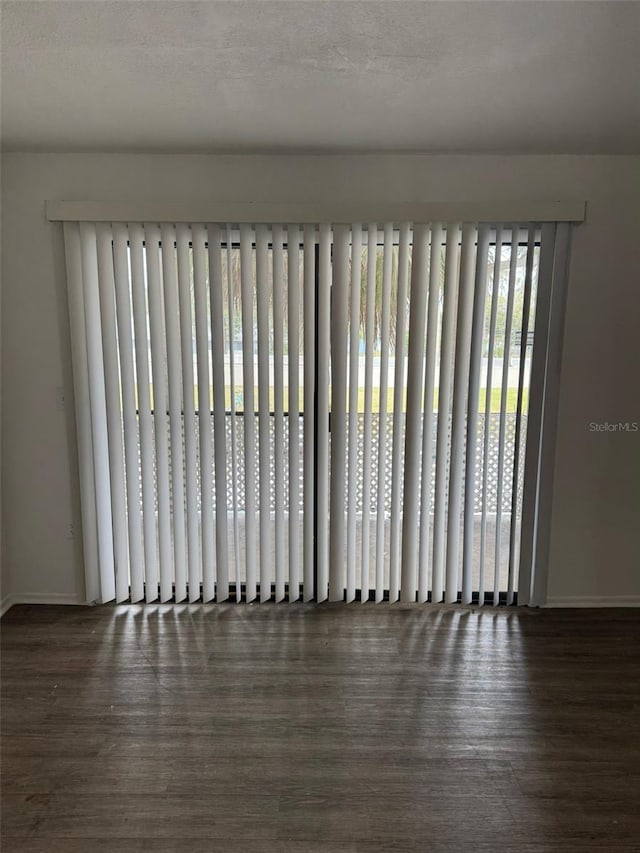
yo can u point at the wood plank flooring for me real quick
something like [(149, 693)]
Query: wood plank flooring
[(333, 729)]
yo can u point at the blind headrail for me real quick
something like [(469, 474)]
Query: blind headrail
[(335, 212)]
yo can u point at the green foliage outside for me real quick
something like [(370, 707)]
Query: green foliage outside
[(512, 398)]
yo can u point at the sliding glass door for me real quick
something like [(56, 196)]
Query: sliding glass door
[(309, 411)]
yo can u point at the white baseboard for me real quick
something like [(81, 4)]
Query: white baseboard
[(7, 602), (39, 598), (593, 601)]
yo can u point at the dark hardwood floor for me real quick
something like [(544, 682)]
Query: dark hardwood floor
[(334, 728)]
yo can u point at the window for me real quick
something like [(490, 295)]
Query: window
[(316, 411)]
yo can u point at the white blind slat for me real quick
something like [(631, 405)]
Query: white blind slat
[(459, 406), (369, 331), (145, 416), (532, 463), (383, 386), (106, 283), (160, 406), (219, 411), (504, 385), (230, 252), (309, 309), (98, 406), (174, 367), (264, 448), (497, 263), (524, 334), (398, 417), (204, 412), (77, 326), (278, 406), (322, 402), (339, 315), (293, 350), (444, 408), (555, 315), (183, 237), (477, 339), (247, 293), (426, 481), (129, 414), (354, 368), (417, 311)]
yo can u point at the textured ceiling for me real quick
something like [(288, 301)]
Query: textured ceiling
[(113, 75)]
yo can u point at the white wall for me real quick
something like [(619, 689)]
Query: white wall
[(4, 565), (595, 544)]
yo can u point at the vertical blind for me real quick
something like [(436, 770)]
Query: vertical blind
[(310, 411)]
